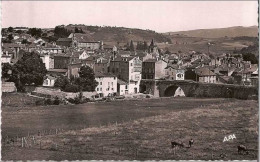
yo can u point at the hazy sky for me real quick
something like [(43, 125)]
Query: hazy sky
[(159, 16)]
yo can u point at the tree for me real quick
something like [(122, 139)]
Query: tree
[(139, 46), (250, 57), (29, 70), (37, 32), (61, 82), (10, 29), (76, 30), (86, 79), (44, 34), (61, 32), (145, 46), (10, 37), (132, 47), (24, 41), (127, 46), (19, 31), (6, 70)]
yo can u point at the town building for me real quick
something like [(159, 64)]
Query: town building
[(49, 81), (153, 69), (67, 42), (174, 73), (107, 84), (129, 70), (85, 41), (205, 75), (122, 87)]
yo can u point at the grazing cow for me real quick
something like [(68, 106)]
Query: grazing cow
[(191, 142), (242, 149), (175, 144)]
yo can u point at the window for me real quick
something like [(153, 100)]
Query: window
[(131, 64), (126, 87), (100, 83), (112, 84), (97, 89), (100, 89)]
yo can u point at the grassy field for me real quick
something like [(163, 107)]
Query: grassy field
[(138, 129)]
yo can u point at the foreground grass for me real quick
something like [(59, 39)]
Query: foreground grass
[(20, 115), (149, 138)]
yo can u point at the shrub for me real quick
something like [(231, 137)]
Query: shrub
[(72, 88), (56, 101), (40, 102), (74, 100), (48, 101)]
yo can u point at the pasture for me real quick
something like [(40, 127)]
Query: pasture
[(128, 130)]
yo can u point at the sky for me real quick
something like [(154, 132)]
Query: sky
[(160, 16)]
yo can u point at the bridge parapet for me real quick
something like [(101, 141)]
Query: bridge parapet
[(162, 88)]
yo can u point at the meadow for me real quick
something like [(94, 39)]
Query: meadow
[(128, 130)]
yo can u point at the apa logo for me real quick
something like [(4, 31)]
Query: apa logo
[(228, 138)]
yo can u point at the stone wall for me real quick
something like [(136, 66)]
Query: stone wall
[(8, 87)]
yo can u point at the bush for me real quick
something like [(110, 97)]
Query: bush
[(40, 102), (56, 101), (74, 100), (72, 88), (48, 101)]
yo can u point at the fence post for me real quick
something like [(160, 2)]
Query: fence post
[(33, 140), (25, 141), (22, 142)]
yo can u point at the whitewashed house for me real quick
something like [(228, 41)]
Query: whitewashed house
[(107, 85), (122, 87), (49, 81)]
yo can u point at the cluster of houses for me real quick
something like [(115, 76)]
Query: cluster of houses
[(120, 72)]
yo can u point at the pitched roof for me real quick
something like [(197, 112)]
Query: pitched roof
[(99, 74), (121, 82), (150, 60), (64, 40), (204, 72)]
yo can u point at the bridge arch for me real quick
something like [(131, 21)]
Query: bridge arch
[(174, 91)]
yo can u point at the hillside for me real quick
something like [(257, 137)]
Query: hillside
[(119, 34), (236, 31)]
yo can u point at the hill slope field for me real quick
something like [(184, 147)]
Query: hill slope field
[(236, 31), (119, 34)]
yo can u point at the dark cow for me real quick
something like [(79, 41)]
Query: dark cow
[(176, 144), (242, 149), (191, 142)]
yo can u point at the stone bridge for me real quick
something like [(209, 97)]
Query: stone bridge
[(165, 88)]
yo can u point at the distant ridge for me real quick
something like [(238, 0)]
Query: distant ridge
[(236, 31)]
